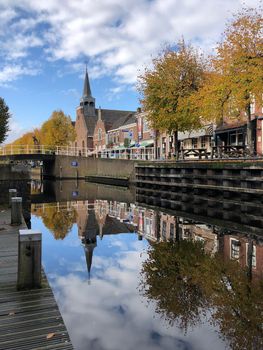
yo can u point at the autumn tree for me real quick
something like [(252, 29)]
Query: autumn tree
[(186, 283), (4, 119), (59, 222), (58, 130), (235, 80), (166, 89)]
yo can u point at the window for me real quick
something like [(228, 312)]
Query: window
[(232, 139), (254, 258), (164, 230), (252, 105), (203, 142), (171, 231), (145, 125), (235, 249), (194, 143), (240, 139)]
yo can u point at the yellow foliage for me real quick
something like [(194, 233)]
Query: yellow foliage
[(58, 130), (167, 88)]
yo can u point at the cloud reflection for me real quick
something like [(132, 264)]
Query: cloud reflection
[(109, 313)]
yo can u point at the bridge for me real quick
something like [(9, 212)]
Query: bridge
[(65, 162), (42, 152)]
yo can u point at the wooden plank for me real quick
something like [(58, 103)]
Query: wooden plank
[(29, 319)]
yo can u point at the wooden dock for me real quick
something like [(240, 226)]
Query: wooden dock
[(28, 319)]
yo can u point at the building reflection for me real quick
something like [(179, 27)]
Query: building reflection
[(97, 218)]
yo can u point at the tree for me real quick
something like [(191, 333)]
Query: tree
[(236, 75), (59, 222), (4, 119), (58, 130), (167, 88), (185, 283)]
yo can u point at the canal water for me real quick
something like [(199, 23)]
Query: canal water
[(127, 276)]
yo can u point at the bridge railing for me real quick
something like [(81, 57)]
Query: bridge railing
[(143, 153), (44, 149)]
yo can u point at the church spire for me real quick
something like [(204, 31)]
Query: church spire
[(86, 88), (87, 101)]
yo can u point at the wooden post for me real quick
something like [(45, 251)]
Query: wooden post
[(12, 193), (29, 259), (16, 211)]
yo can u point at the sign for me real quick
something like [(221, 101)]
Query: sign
[(74, 163), (75, 193)]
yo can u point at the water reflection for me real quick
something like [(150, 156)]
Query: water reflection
[(187, 283), (127, 276)]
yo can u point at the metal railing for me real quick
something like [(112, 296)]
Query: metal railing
[(143, 153)]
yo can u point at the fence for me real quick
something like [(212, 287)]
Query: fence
[(143, 153)]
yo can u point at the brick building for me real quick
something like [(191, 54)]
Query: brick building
[(92, 124)]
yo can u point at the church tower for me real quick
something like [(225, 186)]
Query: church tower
[(87, 101)]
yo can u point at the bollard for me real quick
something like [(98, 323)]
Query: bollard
[(12, 193), (29, 259), (16, 211)]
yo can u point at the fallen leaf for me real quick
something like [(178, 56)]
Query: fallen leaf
[(50, 335)]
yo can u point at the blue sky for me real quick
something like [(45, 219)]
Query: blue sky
[(44, 46)]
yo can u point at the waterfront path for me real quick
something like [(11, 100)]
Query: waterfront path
[(28, 319)]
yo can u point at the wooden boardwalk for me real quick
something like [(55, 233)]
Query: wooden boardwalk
[(28, 319)]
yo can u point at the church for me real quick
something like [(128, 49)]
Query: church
[(93, 123)]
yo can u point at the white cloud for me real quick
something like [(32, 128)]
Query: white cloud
[(111, 311), (12, 72), (119, 37)]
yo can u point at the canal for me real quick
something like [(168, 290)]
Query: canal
[(129, 276)]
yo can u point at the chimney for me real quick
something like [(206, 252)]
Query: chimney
[(99, 113)]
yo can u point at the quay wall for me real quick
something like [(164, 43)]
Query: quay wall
[(70, 167), (226, 191), (14, 172)]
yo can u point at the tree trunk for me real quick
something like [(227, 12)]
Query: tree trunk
[(250, 143), (156, 133), (176, 148), (250, 258)]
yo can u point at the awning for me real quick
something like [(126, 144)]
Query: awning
[(147, 143), (207, 130), (119, 148)]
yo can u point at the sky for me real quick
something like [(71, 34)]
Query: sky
[(44, 46)]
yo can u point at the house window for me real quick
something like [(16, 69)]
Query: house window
[(233, 139), (252, 105), (254, 258), (203, 141), (240, 139), (235, 249), (171, 231), (164, 230), (145, 125), (194, 143)]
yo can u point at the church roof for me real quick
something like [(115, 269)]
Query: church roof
[(86, 87), (112, 119), (124, 120)]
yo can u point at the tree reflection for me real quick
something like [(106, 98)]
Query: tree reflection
[(186, 283), (59, 222)]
